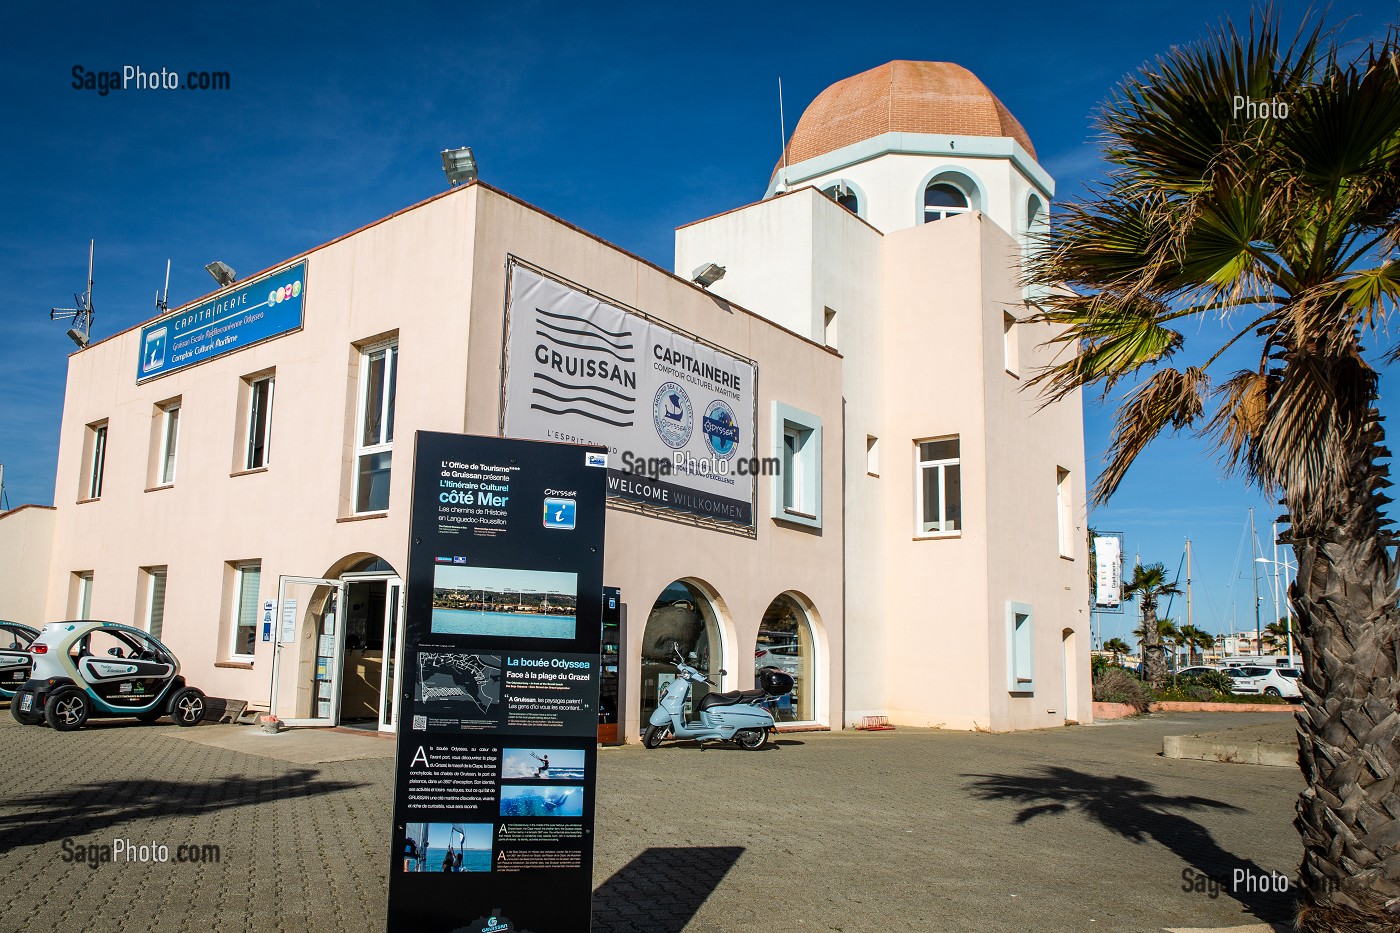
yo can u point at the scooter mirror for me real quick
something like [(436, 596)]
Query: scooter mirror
[(723, 672)]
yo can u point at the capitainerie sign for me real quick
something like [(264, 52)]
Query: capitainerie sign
[(234, 319)]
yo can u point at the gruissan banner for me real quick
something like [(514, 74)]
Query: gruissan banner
[(676, 414)]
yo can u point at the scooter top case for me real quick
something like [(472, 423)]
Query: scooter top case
[(15, 660), (90, 668)]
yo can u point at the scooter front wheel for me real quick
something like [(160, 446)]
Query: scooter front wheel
[(752, 739), (655, 735)]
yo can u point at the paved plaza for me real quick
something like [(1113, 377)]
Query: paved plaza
[(1082, 828)]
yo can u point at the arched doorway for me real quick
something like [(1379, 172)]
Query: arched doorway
[(348, 645), (684, 619), (785, 641)]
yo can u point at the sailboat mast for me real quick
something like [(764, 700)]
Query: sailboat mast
[(1188, 581), (1254, 575)]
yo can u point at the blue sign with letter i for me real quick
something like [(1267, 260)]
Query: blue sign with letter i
[(559, 513)]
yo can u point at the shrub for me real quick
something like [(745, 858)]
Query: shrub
[(1214, 681), (1116, 685)]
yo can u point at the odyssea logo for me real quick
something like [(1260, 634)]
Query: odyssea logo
[(495, 923), (279, 295), (721, 429), (673, 414)]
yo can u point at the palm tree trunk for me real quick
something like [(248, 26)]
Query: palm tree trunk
[(1154, 663), (1349, 724)]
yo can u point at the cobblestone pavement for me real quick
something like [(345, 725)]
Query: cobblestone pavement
[(1084, 828)]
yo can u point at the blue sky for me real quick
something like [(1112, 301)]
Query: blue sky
[(625, 119)]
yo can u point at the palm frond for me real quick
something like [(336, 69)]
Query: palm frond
[(1169, 399)]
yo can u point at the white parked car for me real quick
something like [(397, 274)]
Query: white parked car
[(1269, 681), (1197, 670)]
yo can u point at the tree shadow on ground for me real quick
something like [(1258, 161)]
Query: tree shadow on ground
[(83, 809), (1133, 809), (661, 889)]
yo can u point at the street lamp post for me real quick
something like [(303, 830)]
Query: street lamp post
[(1288, 606)]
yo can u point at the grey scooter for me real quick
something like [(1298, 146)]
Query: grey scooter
[(730, 717)]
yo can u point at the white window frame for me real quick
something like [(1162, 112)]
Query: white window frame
[(83, 603), (941, 465), (944, 212), (241, 570), (872, 455), (169, 443), (1064, 510), (384, 443), (1020, 648), (154, 574), (97, 459), (805, 429), (250, 416)]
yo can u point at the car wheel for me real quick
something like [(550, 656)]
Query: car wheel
[(187, 707), (67, 709), (1272, 692), (21, 717)]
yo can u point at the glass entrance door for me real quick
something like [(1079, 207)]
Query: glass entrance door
[(393, 656), (307, 629), (325, 668)]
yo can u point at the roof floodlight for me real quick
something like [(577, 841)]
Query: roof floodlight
[(221, 271), (459, 165), (708, 274)]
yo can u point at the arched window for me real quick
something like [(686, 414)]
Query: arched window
[(682, 619), (1035, 214), (842, 194), (785, 642), (943, 198)]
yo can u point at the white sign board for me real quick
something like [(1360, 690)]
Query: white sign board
[(676, 415), (1108, 562), (289, 621)]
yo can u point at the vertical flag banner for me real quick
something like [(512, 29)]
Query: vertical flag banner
[(1108, 571)]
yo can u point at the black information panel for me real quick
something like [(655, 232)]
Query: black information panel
[(497, 747)]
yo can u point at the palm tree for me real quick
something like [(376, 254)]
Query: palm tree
[(1193, 638), (1277, 634), (1117, 647), (1286, 231), (1149, 584)]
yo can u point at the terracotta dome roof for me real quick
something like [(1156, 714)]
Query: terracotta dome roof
[(902, 97)]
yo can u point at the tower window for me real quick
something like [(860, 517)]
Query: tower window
[(842, 194), (943, 199)]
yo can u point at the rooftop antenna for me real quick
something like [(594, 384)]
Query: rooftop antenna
[(2, 487), (162, 304), (81, 316), (782, 130)]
